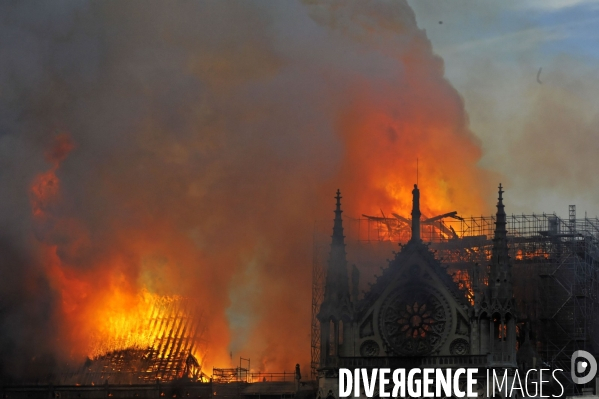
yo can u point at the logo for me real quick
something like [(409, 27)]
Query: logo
[(583, 363)]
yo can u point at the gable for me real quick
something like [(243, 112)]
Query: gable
[(415, 308)]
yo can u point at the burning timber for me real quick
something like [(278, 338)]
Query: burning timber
[(134, 366), (160, 345), (152, 356)]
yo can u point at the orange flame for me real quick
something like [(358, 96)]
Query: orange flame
[(387, 149), (103, 310)]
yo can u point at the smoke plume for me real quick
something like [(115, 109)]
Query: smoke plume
[(187, 148)]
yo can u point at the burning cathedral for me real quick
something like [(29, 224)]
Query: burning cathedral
[(417, 315)]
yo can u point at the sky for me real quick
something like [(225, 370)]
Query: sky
[(542, 138)]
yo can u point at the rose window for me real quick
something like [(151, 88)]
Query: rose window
[(415, 320)]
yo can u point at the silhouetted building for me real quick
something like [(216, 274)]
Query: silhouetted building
[(415, 314)]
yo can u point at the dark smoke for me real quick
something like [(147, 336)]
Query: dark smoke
[(28, 321), (206, 139)]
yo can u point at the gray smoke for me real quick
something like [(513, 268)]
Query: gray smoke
[(208, 136)]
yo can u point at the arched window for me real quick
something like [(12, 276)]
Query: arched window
[(500, 328), (340, 340), (497, 329), (502, 331)]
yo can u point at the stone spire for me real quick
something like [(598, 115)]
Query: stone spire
[(500, 278), (415, 214), (337, 281), (336, 309), (501, 305)]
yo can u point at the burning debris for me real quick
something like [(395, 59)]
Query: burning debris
[(161, 344), (397, 228)]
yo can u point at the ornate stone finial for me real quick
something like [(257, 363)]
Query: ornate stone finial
[(500, 221), (338, 237), (415, 214)]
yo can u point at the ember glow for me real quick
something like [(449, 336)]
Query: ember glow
[(464, 281)]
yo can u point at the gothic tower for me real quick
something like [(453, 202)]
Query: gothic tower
[(336, 311), (498, 304)]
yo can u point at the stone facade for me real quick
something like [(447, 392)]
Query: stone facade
[(415, 315)]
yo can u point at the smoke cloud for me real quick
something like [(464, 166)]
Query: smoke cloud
[(187, 148)]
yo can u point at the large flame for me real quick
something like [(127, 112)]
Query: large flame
[(104, 310), (391, 142)]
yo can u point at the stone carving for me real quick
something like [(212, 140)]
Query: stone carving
[(369, 349), (415, 320), (459, 347)]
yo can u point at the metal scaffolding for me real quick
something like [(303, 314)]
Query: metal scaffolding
[(555, 271)]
